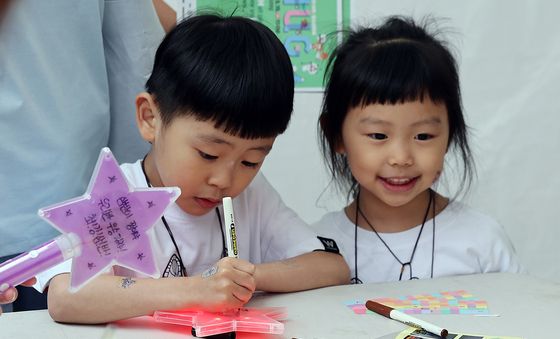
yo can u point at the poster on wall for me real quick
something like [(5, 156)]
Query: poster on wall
[(309, 29)]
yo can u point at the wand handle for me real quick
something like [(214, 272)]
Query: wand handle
[(25, 266)]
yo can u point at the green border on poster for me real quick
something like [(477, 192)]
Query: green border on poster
[(307, 28)]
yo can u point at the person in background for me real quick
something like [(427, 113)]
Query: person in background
[(69, 71), (10, 295)]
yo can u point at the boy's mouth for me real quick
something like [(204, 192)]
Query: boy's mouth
[(398, 184), (207, 203)]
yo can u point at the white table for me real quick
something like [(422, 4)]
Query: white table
[(528, 307)]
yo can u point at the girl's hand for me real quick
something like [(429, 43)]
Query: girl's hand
[(225, 286)]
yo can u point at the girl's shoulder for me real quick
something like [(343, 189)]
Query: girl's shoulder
[(459, 216), (330, 221), (459, 209)]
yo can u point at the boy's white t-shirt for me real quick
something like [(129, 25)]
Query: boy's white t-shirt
[(466, 242), (267, 230)]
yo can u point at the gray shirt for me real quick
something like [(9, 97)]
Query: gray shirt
[(69, 72)]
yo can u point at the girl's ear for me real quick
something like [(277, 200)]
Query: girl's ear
[(147, 116), (436, 178), (338, 145)]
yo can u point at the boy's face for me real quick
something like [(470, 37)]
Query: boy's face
[(206, 163)]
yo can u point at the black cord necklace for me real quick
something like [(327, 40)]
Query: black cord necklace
[(431, 202), (181, 265)]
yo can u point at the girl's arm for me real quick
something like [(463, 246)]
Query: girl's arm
[(306, 271), (109, 298)]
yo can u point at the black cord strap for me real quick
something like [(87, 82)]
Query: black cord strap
[(431, 202), (181, 264)]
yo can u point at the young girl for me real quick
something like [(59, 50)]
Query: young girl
[(391, 112)]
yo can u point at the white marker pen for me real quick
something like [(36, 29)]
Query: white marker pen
[(231, 236)]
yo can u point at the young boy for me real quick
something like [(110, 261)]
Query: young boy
[(220, 92)]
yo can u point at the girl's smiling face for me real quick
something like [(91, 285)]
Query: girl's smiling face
[(396, 152)]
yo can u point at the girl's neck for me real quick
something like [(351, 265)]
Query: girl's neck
[(391, 219)]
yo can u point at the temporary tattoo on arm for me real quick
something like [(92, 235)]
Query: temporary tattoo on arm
[(127, 282), (210, 272)]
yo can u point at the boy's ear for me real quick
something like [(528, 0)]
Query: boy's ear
[(147, 116)]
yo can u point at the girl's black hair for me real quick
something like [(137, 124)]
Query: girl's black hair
[(230, 70), (396, 62)]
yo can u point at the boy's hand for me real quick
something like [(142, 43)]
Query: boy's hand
[(227, 285)]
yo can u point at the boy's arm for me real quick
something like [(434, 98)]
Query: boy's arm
[(109, 298), (303, 272)]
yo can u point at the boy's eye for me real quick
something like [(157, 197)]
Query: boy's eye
[(207, 156), (378, 136), (423, 136), (250, 164)]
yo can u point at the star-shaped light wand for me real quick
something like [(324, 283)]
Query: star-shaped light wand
[(255, 320), (110, 224)]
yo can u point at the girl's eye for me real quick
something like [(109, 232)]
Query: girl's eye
[(207, 156), (423, 136), (250, 164), (378, 136)]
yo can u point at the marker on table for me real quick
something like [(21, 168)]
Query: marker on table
[(390, 312), (231, 236)]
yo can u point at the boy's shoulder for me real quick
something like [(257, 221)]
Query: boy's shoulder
[(259, 189), (134, 174)]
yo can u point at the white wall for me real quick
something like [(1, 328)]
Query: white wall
[(509, 59)]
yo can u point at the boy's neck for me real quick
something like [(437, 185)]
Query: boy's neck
[(151, 172), (391, 219)]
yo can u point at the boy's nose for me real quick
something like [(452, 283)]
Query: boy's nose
[(222, 178)]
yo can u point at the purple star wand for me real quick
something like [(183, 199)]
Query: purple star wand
[(110, 224)]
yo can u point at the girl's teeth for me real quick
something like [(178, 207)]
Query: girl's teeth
[(398, 181)]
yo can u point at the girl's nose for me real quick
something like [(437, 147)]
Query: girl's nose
[(400, 155)]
